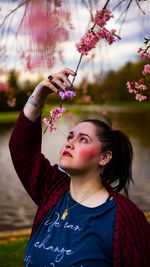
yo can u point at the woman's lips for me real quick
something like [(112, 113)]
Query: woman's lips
[(67, 154)]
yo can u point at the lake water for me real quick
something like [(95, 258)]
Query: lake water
[(17, 210)]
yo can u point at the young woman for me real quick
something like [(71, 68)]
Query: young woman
[(81, 218)]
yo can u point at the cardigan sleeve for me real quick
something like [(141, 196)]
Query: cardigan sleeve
[(134, 236), (33, 169)]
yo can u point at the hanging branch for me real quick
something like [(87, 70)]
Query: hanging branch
[(140, 7), (12, 11), (125, 14), (23, 17), (118, 5)]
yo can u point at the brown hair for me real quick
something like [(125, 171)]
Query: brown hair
[(118, 172)]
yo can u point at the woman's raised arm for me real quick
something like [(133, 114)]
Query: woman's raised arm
[(34, 170)]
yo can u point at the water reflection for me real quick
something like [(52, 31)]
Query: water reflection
[(17, 209)]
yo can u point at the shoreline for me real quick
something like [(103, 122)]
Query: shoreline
[(20, 234), (11, 116)]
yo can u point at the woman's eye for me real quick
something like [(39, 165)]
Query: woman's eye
[(84, 139), (68, 138)]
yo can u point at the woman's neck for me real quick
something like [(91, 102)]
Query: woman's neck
[(82, 188)]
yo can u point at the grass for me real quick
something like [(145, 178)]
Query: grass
[(7, 117), (12, 253)]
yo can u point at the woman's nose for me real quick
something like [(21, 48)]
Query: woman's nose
[(69, 144)]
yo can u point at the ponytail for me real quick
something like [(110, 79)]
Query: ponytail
[(118, 172)]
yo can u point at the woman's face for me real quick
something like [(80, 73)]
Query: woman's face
[(82, 150)]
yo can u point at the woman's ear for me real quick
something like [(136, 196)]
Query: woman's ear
[(105, 158)]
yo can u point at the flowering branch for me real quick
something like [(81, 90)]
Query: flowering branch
[(138, 87), (86, 44)]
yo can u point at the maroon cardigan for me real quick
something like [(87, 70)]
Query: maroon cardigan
[(46, 184)]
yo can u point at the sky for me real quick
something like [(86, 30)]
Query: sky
[(133, 31)]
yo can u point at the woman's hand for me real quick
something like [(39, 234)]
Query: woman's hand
[(35, 103), (48, 86)]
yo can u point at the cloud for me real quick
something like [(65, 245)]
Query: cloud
[(133, 31)]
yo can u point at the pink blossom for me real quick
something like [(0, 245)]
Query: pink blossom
[(147, 68), (11, 102), (140, 97), (131, 90), (87, 42), (145, 55), (109, 36), (90, 39), (102, 16), (67, 94), (46, 26), (56, 113), (52, 127), (144, 72), (47, 122), (136, 85), (129, 87), (142, 87)]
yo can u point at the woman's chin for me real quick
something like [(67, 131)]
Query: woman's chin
[(67, 168)]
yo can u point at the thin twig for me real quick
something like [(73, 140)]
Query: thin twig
[(118, 5), (12, 11), (125, 11), (77, 69), (23, 17), (140, 7), (106, 4)]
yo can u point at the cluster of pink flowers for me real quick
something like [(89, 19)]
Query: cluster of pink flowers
[(44, 36), (90, 39), (87, 42), (54, 115), (139, 87), (67, 94), (102, 16), (146, 69), (143, 53)]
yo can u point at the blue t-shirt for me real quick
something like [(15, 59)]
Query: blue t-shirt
[(83, 239)]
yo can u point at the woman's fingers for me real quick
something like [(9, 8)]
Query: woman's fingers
[(55, 82), (68, 71), (59, 84), (63, 77)]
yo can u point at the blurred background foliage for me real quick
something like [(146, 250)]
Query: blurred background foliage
[(105, 89)]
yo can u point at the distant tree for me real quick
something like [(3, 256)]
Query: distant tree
[(12, 79)]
